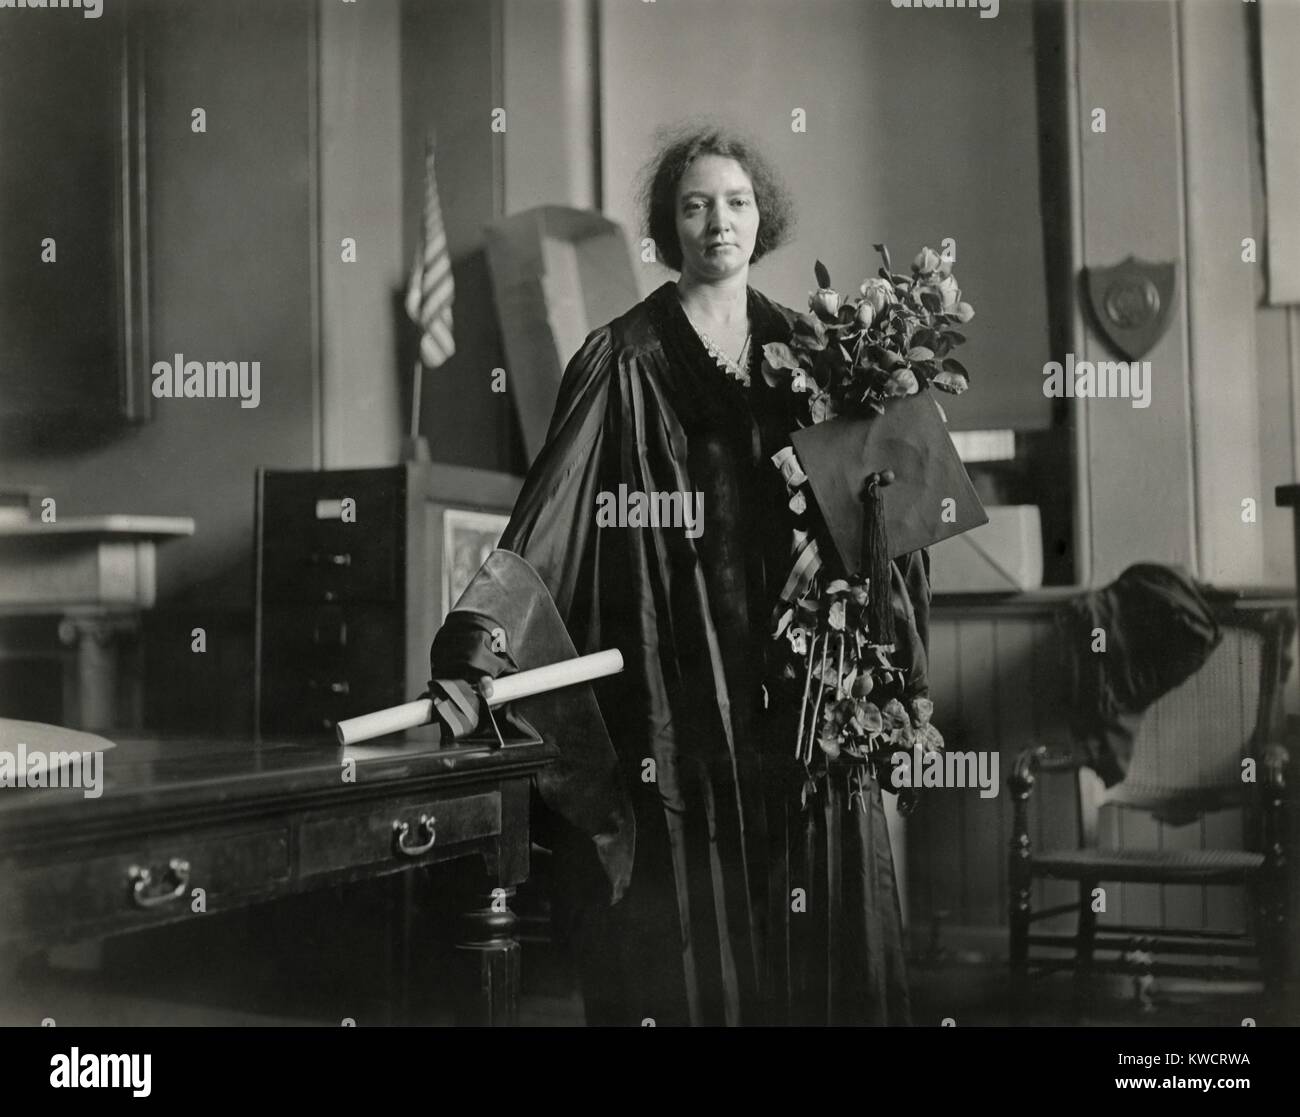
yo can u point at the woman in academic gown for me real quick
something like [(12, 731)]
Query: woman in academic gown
[(743, 905)]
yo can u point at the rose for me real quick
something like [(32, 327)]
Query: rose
[(949, 293), (872, 722), (929, 738), (824, 303), (903, 383), (964, 311), (927, 262), (895, 715), (877, 293)]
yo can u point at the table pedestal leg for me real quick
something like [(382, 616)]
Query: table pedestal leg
[(490, 957)]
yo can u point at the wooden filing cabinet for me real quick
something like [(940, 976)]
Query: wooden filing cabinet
[(349, 595)]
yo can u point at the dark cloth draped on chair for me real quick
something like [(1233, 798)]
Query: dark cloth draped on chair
[(1158, 631), (742, 906)]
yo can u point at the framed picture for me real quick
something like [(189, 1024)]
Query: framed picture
[(461, 514), (467, 540)]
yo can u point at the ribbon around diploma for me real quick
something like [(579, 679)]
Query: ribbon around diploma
[(455, 704)]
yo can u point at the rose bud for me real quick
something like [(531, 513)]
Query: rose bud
[(824, 303), (964, 311), (865, 314), (926, 262), (871, 718), (903, 383), (949, 292)]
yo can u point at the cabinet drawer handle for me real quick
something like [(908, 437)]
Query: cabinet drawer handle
[(142, 879), (340, 686), (402, 829), (330, 558)]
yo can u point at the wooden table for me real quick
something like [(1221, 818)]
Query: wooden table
[(248, 822)]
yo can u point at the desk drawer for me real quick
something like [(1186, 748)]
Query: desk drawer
[(340, 841), (151, 882)]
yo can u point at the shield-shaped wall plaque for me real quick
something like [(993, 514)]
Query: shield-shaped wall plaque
[(1132, 303)]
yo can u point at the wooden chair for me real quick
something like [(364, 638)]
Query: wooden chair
[(1188, 761)]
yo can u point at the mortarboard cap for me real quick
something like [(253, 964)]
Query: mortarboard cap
[(910, 439)]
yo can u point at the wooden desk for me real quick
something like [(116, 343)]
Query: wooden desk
[(248, 822)]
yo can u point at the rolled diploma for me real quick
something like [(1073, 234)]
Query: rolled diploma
[(392, 720), (496, 692), (568, 672)]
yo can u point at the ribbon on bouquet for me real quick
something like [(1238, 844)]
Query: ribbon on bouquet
[(807, 565), (806, 553)]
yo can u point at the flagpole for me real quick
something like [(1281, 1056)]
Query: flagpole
[(429, 295), (415, 448), (416, 387)]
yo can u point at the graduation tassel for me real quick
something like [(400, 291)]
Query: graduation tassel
[(875, 556)]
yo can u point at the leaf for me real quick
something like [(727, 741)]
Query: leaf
[(809, 332), (952, 382), (823, 276), (884, 255), (779, 355), (955, 336), (954, 365), (920, 353), (931, 302)]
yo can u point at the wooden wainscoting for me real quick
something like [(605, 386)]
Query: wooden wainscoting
[(999, 683)]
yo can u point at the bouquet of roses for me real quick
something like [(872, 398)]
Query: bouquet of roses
[(852, 356), (853, 359)]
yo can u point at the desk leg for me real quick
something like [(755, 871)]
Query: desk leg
[(491, 957)]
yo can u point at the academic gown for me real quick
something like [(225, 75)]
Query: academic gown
[(742, 904)]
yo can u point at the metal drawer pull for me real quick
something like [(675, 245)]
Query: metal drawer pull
[(400, 831), (339, 687), (142, 879), (330, 558)]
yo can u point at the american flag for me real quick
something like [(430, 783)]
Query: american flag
[(430, 293)]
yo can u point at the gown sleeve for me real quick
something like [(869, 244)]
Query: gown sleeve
[(553, 528)]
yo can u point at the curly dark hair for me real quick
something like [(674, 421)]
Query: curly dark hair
[(677, 148)]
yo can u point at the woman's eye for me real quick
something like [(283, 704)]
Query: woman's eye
[(740, 201)]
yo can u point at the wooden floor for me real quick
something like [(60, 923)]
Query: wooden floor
[(969, 994)]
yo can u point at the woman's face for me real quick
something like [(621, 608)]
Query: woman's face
[(717, 218)]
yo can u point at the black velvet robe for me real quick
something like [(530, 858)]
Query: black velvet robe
[(742, 906)]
